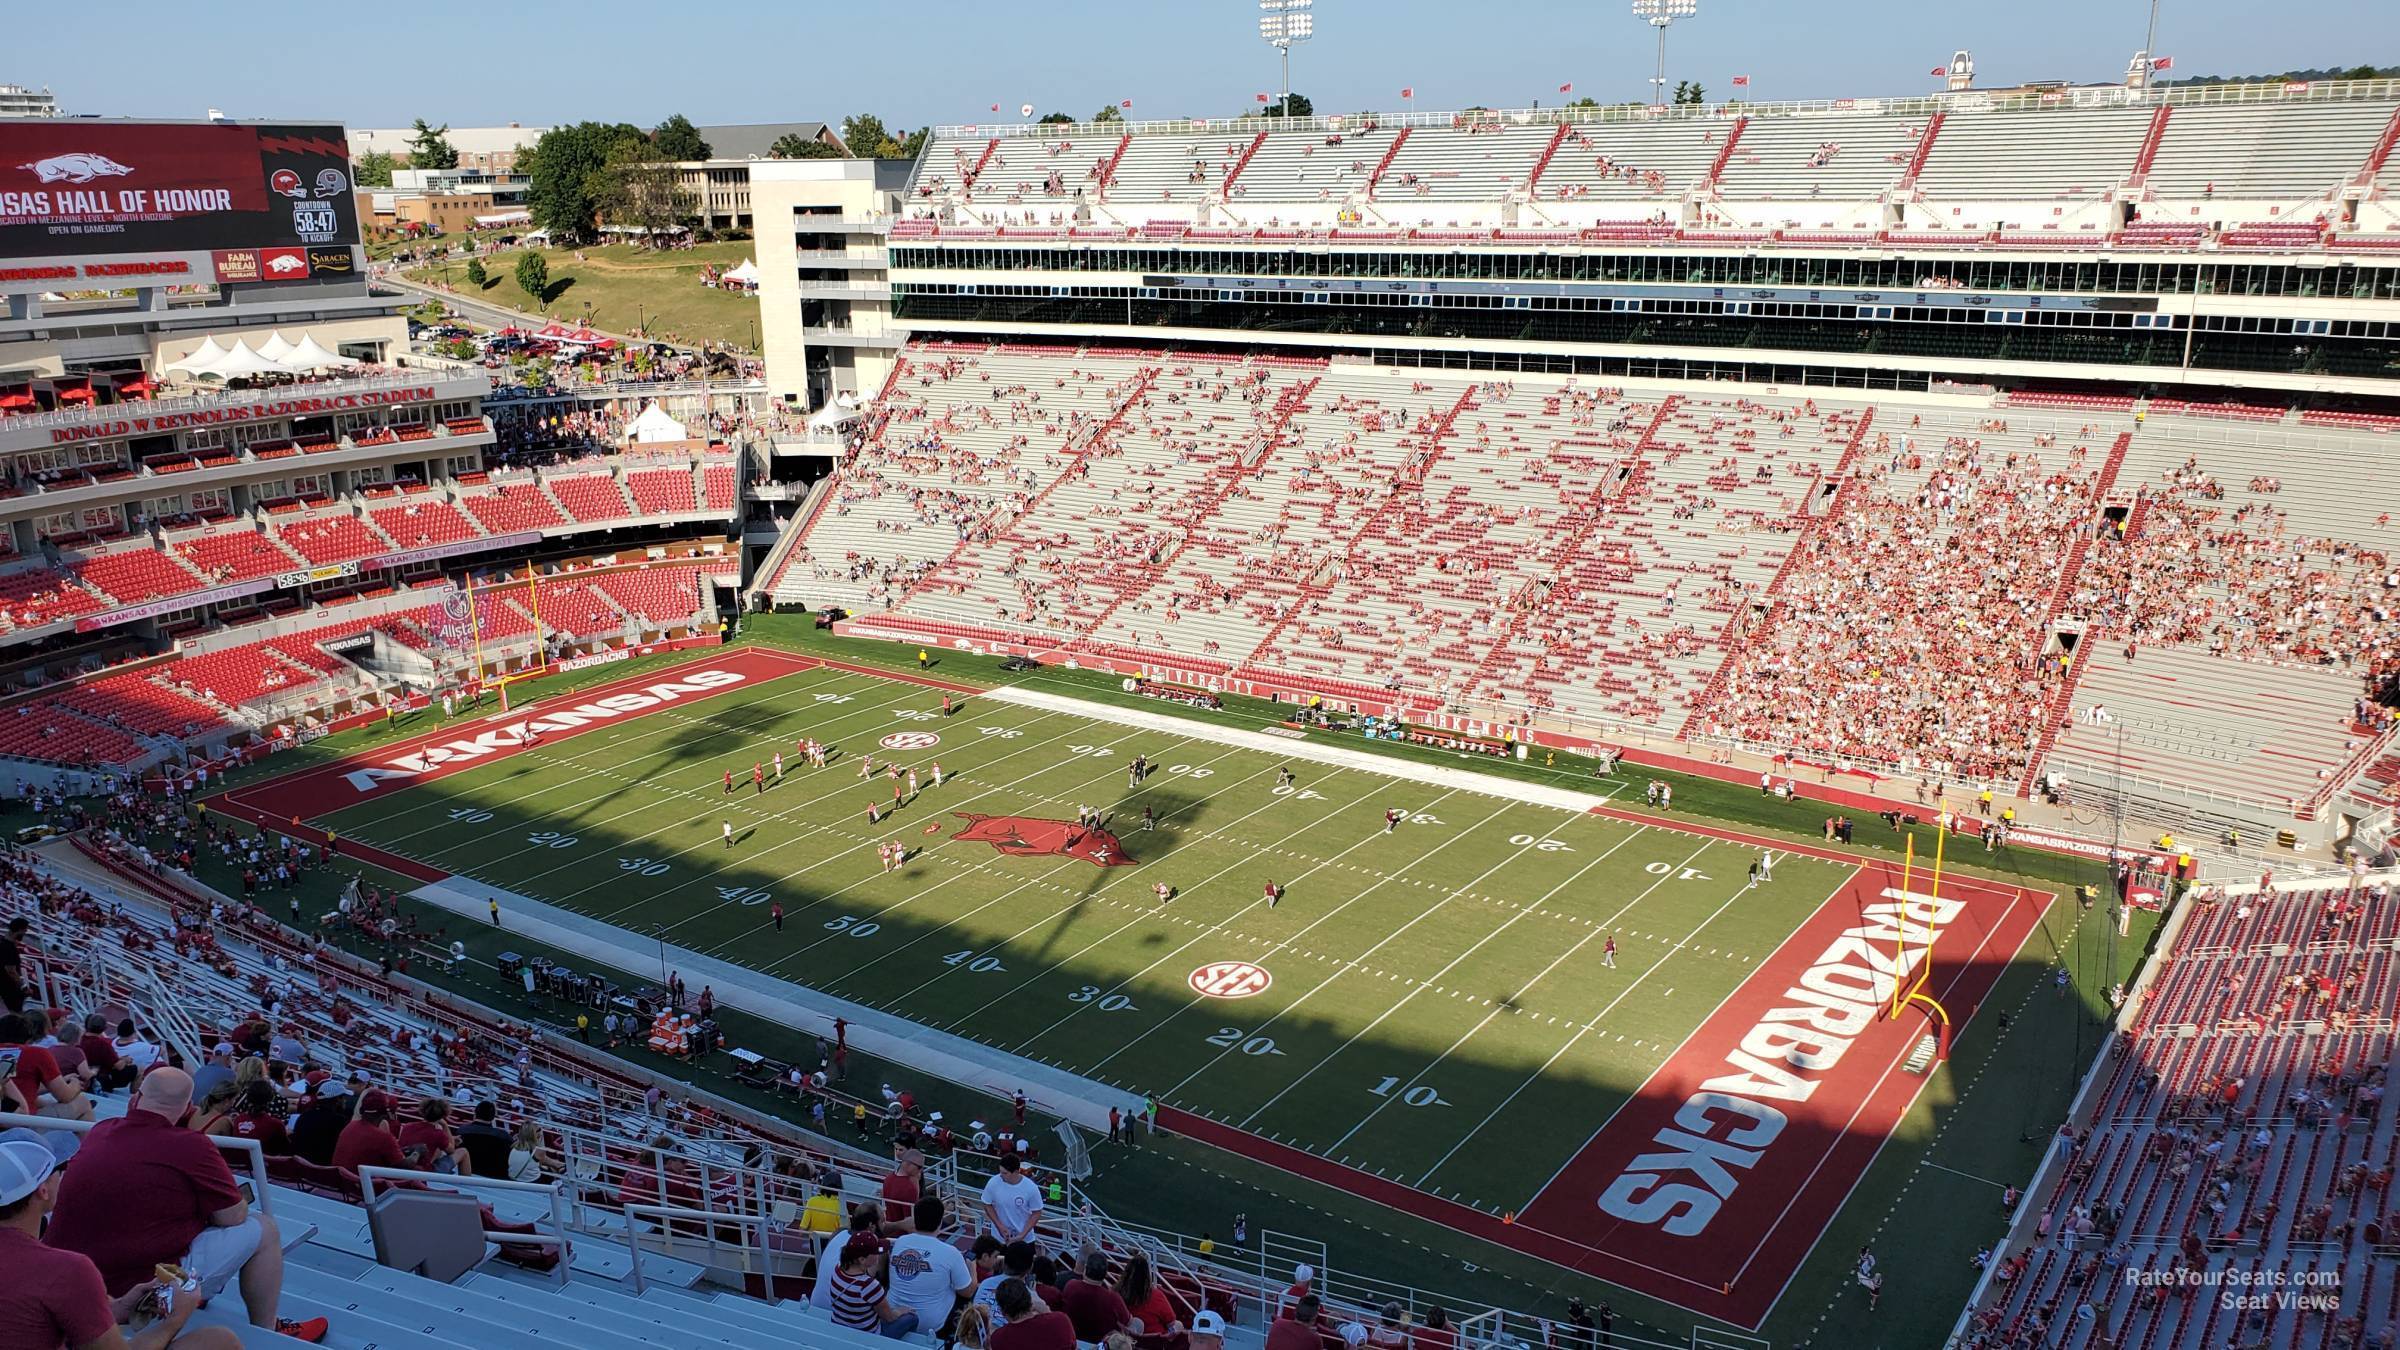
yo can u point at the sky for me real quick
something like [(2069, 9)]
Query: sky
[(540, 62)]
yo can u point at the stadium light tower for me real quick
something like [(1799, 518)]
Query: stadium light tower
[(1658, 14), (1284, 23)]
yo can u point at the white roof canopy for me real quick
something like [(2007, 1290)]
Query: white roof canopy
[(202, 360), (242, 361), (747, 273), (655, 425), (312, 355), (275, 348)]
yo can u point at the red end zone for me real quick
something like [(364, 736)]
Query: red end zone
[(1708, 1188), (468, 742)]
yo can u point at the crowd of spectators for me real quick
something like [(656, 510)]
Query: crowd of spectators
[(1908, 629)]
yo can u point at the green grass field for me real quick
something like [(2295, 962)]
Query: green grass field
[(1436, 990), (1926, 1203), (618, 287)]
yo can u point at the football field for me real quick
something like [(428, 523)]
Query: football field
[(1430, 1014)]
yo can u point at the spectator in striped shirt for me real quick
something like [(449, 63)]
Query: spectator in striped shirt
[(859, 1301)]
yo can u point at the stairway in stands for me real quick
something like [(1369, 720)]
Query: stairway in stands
[(1587, 522), (1436, 442), (1289, 404), (1845, 472)]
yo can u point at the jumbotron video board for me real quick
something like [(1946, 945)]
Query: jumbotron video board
[(91, 204)]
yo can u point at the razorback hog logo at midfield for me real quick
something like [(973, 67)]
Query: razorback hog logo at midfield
[(1026, 837)]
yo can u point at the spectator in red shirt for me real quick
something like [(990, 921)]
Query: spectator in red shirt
[(1304, 1278), (259, 1116), (1030, 1326), (1145, 1300), (38, 1075), (427, 1142), (1089, 1302), (55, 1298), (109, 1070), (902, 1187), (144, 1192), (1297, 1328), (368, 1141)]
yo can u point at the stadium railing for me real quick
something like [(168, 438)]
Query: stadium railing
[(557, 1241), (1916, 105), (253, 1165)]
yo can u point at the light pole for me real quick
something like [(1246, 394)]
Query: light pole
[(1658, 14), (1284, 23)]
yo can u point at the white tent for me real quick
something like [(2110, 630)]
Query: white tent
[(275, 348), (202, 359), (242, 361), (655, 425), (744, 275), (312, 355)]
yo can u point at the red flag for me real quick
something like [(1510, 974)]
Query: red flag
[(1941, 70), (1409, 92), (1741, 81), (2163, 63), (995, 107), (1126, 103), (1263, 98), (1566, 89)]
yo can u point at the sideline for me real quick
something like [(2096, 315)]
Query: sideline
[(884, 1035), (1311, 749)]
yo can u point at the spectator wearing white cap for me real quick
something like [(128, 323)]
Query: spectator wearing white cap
[(1208, 1330), (56, 1297), (1304, 1282), (216, 1072)]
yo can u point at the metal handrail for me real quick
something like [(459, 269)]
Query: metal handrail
[(710, 1220), (462, 1183), (197, 402), (248, 1148)]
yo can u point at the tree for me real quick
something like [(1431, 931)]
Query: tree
[(1055, 119), (1299, 107), (865, 135), (676, 139), (565, 166), (1690, 94), (793, 145), (373, 169), (475, 273), (635, 187), (1109, 113), (430, 148), (1587, 101), (533, 275)]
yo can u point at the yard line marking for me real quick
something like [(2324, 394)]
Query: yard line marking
[(1225, 923), (1053, 916), (1593, 1022), (964, 870), (578, 827), (828, 827), (1404, 1000), (806, 832), (1328, 916), (1143, 916), (633, 731)]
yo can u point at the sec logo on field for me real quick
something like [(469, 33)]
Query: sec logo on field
[(1230, 979), (911, 740)]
